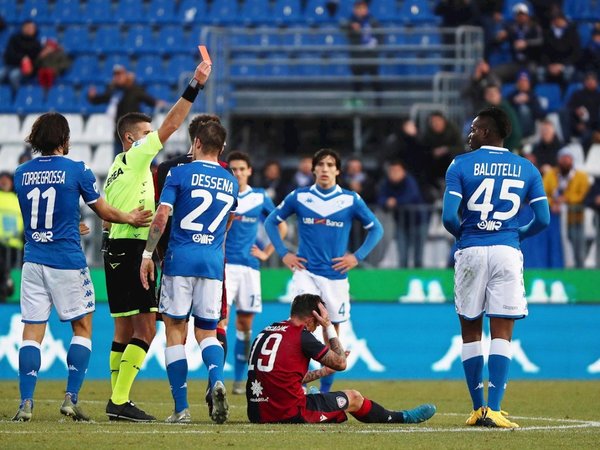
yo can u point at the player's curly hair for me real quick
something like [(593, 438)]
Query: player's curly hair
[(49, 132), (497, 121), (239, 156), (198, 121), (303, 305), (324, 152)]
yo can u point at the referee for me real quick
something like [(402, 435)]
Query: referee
[(129, 185)]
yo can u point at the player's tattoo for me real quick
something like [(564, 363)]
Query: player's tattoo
[(333, 359), (336, 346), (156, 230), (316, 374)]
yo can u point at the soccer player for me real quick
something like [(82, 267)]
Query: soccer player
[(325, 212), (243, 261), (486, 188), (278, 366), (54, 270), (129, 182), (201, 196)]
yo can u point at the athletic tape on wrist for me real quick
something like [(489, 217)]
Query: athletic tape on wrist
[(146, 254), (331, 333)]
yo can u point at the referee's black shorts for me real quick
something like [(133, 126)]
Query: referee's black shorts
[(126, 295)]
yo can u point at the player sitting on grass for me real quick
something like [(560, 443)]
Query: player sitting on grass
[(278, 366)]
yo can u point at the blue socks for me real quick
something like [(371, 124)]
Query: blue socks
[(499, 362), (177, 371), (326, 383), (241, 351), (213, 357), (472, 360), (30, 360), (78, 359)]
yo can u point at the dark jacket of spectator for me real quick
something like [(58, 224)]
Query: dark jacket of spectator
[(457, 12), (20, 45), (531, 34), (561, 46), (547, 147), (590, 61), (584, 106)]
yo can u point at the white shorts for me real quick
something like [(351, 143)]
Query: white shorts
[(243, 286), (70, 291), (489, 279), (180, 296), (335, 293)]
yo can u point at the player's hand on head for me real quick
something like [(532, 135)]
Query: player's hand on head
[(146, 271), (344, 263), (202, 72), (294, 262), (140, 217), (322, 316), (83, 229)]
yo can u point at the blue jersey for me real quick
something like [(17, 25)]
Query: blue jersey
[(324, 223), (202, 194), (492, 184), (49, 188), (253, 205)]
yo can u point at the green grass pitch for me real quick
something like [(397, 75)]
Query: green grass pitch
[(562, 414)]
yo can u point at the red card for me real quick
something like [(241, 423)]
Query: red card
[(204, 54)]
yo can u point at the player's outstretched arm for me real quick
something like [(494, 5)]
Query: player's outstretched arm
[(137, 218), (157, 228), (182, 107), (541, 219)]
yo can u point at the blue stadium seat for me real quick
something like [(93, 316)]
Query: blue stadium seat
[(67, 12), (6, 101), (109, 39), (192, 11), (161, 91), (180, 63), (224, 12), (29, 99), (316, 12), (76, 39), (171, 39), (256, 12), (570, 89), (85, 69), (585, 32), (385, 10), (550, 96), (287, 12), (161, 11), (62, 98), (139, 39), (307, 65), (98, 12), (106, 69), (47, 31), (417, 12), (36, 10), (130, 12), (331, 39), (9, 11), (151, 69), (337, 65), (277, 65), (580, 10)]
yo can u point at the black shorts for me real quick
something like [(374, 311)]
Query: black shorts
[(327, 407), (126, 295)]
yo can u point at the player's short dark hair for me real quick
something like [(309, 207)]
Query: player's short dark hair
[(49, 132), (497, 121), (239, 156), (128, 121), (198, 121), (323, 153), (303, 305), (212, 135)]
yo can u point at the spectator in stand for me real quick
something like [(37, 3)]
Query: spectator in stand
[(356, 179), (304, 175), (483, 76), (545, 149), (123, 96), (493, 97), (273, 183), (525, 37), (21, 51), (592, 200), (583, 111), (565, 185), (51, 63), (526, 104), (399, 194), (404, 144), (11, 234), (560, 53), (491, 20), (360, 28), (544, 10), (590, 61)]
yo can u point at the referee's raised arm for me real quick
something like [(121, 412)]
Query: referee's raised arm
[(181, 109)]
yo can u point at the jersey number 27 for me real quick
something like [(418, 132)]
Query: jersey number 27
[(189, 223)]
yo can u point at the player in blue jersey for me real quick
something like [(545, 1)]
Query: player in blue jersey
[(243, 257), (202, 196), (484, 191), (54, 270), (325, 213)]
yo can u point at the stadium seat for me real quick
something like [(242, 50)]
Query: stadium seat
[(47, 31), (139, 40), (108, 39), (102, 159), (80, 152), (9, 128), (579, 10), (192, 11), (9, 12), (76, 39), (224, 12), (287, 12), (9, 156), (171, 39), (316, 12), (178, 64), (67, 12), (592, 161), (151, 69), (98, 12), (277, 65), (36, 10), (550, 96), (336, 65), (256, 12), (62, 98), (161, 12), (385, 10), (29, 99), (76, 126), (99, 129), (569, 91), (161, 91), (417, 12), (585, 32), (106, 69), (85, 69), (6, 100), (130, 12)]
